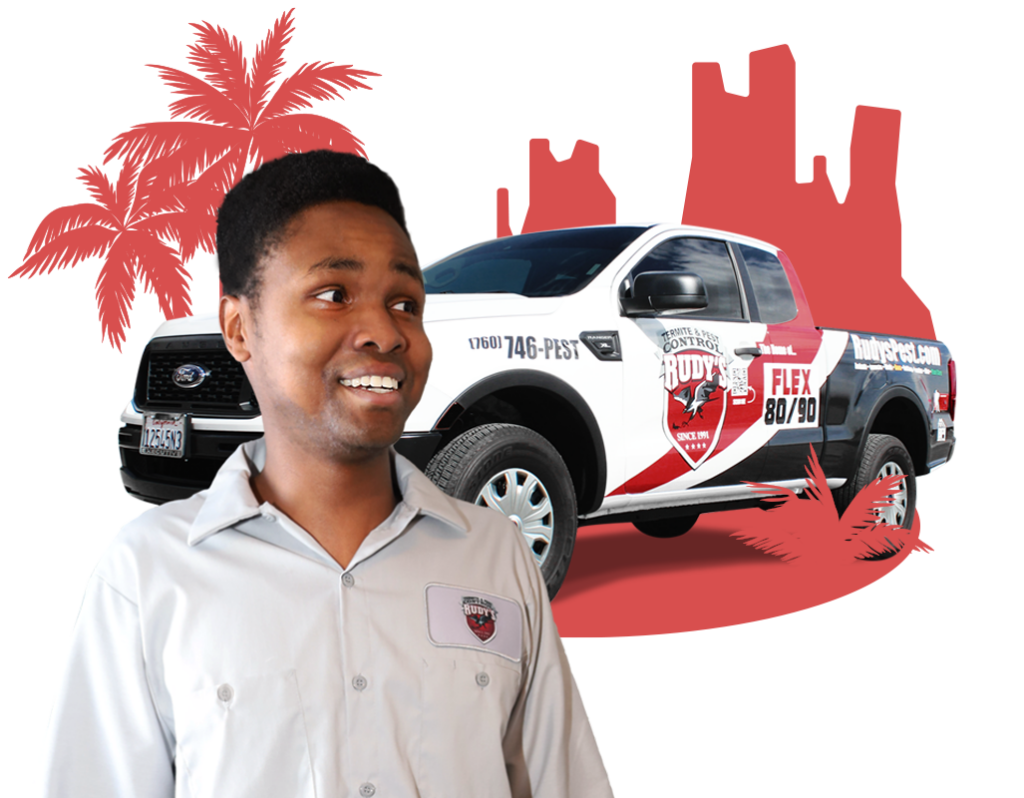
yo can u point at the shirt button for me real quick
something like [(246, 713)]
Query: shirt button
[(348, 580), (225, 693), (367, 789), (359, 683), (483, 679), (270, 517)]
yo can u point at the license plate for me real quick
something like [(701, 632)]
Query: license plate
[(163, 436)]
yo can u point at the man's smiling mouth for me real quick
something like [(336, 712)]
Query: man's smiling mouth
[(374, 383)]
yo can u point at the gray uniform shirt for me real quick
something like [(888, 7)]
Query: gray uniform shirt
[(220, 651)]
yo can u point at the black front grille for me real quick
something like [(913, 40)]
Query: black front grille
[(223, 386), (224, 392)]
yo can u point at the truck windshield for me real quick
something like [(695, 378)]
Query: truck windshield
[(552, 263)]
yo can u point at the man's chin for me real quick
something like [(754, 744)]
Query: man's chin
[(361, 447), (344, 435)]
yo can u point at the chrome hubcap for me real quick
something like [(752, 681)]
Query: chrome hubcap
[(522, 497), (897, 511)]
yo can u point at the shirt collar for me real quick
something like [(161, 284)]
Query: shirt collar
[(230, 500)]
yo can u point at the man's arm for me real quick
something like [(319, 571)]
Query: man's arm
[(550, 749), (105, 735)]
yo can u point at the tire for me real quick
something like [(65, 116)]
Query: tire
[(667, 527), (480, 465), (884, 455)]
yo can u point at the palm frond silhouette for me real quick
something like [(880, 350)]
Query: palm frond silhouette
[(162, 208), (123, 226), (811, 529), (230, 118)]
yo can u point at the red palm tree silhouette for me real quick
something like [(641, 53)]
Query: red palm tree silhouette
[(812, 531), (124, 226), (175, 174), (231, 119)]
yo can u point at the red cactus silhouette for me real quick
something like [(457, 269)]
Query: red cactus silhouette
[(812, 531), (175, 173)]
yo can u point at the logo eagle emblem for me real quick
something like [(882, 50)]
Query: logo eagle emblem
[(481, 617), (696, 394), (694, 399)]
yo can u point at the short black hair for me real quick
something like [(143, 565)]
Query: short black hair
[(256, 212)]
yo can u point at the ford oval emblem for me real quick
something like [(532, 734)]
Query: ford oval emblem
[(189, 376)]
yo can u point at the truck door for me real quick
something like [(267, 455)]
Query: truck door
[(693, 379), (797, 363)]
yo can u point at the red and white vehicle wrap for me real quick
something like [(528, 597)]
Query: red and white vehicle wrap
[(648, 413)]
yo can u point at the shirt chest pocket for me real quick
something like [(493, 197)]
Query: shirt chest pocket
[(468, 698), (244, 737)]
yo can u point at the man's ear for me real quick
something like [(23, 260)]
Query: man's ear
[(236, 326)]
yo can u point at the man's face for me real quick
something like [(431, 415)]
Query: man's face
[(340, 305)]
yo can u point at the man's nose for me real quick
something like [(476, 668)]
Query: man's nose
[(376, 329)]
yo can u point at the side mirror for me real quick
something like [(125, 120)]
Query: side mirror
[(654, 291)]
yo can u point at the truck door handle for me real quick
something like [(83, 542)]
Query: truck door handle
[(748, 350)]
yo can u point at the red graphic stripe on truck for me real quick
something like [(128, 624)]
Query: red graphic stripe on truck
[(787, 357)]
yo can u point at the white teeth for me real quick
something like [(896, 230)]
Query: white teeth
[(372, 382)]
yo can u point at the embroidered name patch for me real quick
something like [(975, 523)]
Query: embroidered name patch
[(467, 618)]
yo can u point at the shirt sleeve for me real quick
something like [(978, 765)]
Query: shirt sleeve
[(550, 749), (106, 738)]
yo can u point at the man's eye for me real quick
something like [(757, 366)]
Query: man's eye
[(332, 295), (405, 306)]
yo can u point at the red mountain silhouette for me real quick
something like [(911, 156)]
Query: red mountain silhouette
[(742, 178), (175, 173), (569, 193)]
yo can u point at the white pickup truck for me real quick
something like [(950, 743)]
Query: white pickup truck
[(599, 374)]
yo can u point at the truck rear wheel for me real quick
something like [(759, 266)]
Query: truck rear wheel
[(667, 527), (884, 456), (517, 472)]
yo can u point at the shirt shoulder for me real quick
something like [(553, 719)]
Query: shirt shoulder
[(484, 519), (489, 528), (494, 539), (153, 540)]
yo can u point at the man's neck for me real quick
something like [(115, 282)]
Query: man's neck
[(339, 502)]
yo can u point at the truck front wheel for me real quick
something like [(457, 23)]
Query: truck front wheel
[(884, 456), (517, 472)]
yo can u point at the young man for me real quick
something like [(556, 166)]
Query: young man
[(322, 621)]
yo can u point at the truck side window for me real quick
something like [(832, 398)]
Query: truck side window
[(702, 256), (775, 302)]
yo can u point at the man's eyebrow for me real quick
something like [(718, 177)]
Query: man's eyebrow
[(410, 269), (351, 264)]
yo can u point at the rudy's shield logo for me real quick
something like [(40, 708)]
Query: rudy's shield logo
[(696, 392), (480, 616)]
